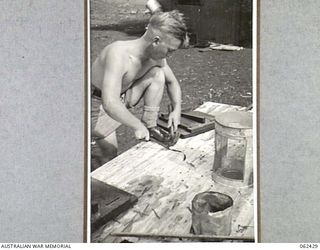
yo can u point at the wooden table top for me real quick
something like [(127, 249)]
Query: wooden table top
[(165, 185)]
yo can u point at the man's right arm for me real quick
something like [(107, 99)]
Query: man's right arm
[(111, 90)]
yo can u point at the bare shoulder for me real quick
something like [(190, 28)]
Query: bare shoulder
[(114, 53)]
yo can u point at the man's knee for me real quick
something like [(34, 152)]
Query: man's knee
[(153, 81)]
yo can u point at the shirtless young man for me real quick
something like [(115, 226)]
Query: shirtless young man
[(127, 71)]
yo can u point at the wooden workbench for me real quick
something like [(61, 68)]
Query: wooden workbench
[(166, 184)]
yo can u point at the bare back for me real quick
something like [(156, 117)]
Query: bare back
[(133, 67)]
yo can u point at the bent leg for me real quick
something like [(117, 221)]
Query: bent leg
[(103, 127), (103, 150), (150, 87)]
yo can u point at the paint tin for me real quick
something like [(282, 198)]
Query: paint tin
[(211, 214)]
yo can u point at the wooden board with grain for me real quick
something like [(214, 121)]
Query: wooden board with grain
[(107, 202), (165, 185)]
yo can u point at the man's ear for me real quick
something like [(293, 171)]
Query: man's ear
[(156, 40)]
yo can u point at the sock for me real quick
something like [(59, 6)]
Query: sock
[(150, 116)]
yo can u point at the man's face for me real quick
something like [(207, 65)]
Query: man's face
[(163, 46)]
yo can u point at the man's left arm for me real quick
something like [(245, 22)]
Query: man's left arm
[(174, 92)]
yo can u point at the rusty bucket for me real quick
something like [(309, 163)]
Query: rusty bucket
[(211, 214)]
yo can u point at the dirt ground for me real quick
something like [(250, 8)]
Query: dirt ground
[(217, 76)]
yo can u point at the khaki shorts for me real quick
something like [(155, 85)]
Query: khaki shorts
[(102, 125)]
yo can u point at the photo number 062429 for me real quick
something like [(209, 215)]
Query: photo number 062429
[(172, 121)]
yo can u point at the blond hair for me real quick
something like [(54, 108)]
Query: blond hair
[(170, 23)]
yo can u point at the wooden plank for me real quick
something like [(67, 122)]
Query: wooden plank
[(164, 125), (189, 237), (107, 203), (198, 116), (186, 124), (190, 126), (166, 184), (184, 133)]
